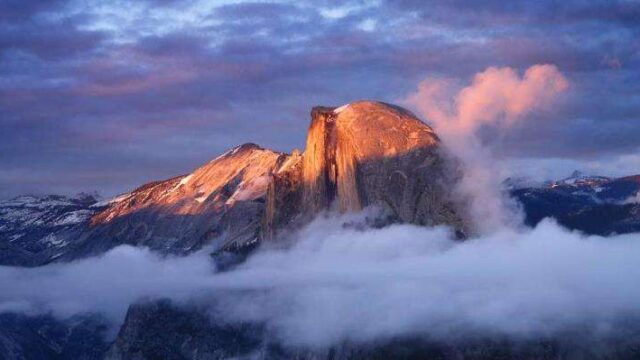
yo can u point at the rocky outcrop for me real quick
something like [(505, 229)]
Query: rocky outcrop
[(363, 154), (161, 330)]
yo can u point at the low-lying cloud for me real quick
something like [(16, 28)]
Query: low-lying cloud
[(340, 283)]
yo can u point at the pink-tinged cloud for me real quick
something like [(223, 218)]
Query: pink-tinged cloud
[(496, 96)]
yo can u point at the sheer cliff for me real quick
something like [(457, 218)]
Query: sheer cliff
[(364, 154)]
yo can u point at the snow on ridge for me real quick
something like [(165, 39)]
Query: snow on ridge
[(250, 190), (340, 109), (74, 217), (185, 179), (226, 153), (201, 198), (113, 200)]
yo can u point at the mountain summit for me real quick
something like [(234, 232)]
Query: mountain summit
[(361, 154)]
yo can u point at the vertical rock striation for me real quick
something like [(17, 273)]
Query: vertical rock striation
[(362, 154)]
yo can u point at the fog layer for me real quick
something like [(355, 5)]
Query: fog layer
[(338, 283)]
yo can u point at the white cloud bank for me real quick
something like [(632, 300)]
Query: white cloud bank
[(339, 283)]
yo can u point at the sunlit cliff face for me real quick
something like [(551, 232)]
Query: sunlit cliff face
[(363, 154), (241, 174), (341, 139)]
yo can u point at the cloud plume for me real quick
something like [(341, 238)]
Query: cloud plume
[(496, 96), (496, 99)]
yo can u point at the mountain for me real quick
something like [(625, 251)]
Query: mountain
[(39, 229), (220, 202), (361, 154), (592, 204)]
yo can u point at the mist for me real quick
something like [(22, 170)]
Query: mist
[(107, 284), (496, 99), (338, 283)]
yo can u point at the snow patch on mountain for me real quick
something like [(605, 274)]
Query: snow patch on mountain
[(114, 200), (74, 217), (185, 180), (577, 178), (250, 190), (340, 109)]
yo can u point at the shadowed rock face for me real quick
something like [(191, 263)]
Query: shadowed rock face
[(80, 337), (362, 154), (162, 330)]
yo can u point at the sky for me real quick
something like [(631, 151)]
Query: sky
[(107, 95)]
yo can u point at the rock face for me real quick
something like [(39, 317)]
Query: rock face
[(362, 154), (222, 201), (25, 337), (162, 330)]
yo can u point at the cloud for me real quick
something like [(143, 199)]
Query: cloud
[(107, 284), (496, 96), (496, 99), (338, 283)]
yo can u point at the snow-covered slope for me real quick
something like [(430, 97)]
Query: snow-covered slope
[(593, 204), (220, 203), (578, 179), (35, 228)]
